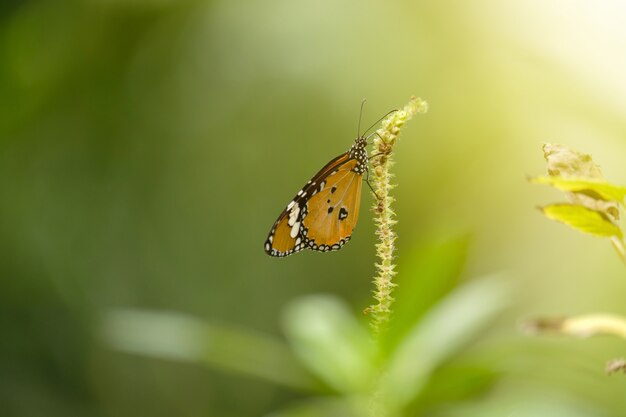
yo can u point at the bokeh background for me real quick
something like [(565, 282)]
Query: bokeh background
[(147, 146)]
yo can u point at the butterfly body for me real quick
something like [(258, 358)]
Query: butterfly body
[(324, 212)]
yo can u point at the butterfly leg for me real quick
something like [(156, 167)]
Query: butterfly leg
[(386, 148), (367, 180)]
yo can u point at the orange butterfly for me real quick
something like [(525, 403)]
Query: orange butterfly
[(323, 214)]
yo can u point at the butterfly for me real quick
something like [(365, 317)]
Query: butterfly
[(323, 214)]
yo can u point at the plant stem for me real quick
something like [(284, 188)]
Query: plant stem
[(618, 244), (581, 326), (381, 160)]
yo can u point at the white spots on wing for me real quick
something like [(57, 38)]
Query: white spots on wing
[(267, 247), (298, 241), (293, 215), (271, 239), (291, 204), (294, 230), (322, 184)]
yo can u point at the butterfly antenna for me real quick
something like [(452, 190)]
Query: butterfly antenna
[(358, 129), (378, 121)]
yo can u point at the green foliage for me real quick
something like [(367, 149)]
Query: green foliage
[(145, 145), (427, 273), (179, 337), (583, 219), (594, 203), (592, 187), (329, 344), (593, 209), (442, 334)]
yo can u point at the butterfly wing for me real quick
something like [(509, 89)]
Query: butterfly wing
[(332, 213), (308, 221)]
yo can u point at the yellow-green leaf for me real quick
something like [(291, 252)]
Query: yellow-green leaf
[(597, 187), (582, 219), (593, 203)]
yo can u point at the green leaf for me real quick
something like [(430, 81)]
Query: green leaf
[(174, 336), (427, 274), (454, 384), (582, 219), (599, 188), (326, 336), (445, 330), (594, 204), (326, 407)]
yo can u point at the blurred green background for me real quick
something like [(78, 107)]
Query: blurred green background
[(147, 146)]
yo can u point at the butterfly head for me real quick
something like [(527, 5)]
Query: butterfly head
[(360, 142), (358, 151)]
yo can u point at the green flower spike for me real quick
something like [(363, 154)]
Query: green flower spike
[(381, 159)]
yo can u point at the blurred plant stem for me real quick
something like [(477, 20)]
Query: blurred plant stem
[(381, 159), (584, 326), (618, 244), (580, 326)]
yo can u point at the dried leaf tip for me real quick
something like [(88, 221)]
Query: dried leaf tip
[(616, 365), (565, 162)]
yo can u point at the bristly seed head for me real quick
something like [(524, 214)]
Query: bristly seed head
[(383, 144)]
